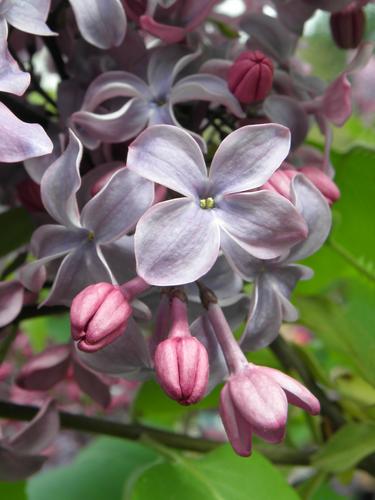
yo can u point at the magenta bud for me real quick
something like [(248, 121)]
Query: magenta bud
[(324, 183), (348, 27), (28, 193), (250, 77), (182, 368), (98, 315)]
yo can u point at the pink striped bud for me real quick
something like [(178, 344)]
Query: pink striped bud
[(181, 365), (348, 27), (250, 77), (98, 315), (181, 361)]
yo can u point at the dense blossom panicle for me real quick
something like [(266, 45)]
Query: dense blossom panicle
[(159, 175)]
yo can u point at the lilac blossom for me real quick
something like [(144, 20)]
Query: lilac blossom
[(275, 279), (101, 22), (178, 241), (29, 16), (20, 455), (79, 237), (148, 103)]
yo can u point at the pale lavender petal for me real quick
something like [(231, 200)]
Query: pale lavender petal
[(164, 65), (91, 383), (28, 15), (263, 223), (283, 280), (336, 103), (361, 58), (296, 393), (21, 140), (248, 157), (288, 112), (241, 261), (293, 14), (118, 206), (204, 87), (60, 184), (176, 242), (127, 356), (265, 316), (120, 258), (101, 22), (169, 156), (11, 301), (238, 430), (54, 241), (217, 67), (80, 268), (18, 466), (12, 79), (313, 207), (114, 84), (40, 432), (114, 127)]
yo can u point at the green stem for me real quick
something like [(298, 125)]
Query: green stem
[(343, 252)]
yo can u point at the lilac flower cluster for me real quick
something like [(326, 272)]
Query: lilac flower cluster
[(171, 170)]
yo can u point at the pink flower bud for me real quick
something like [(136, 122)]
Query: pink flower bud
[(98, 315), (324, 183), (255, 400), (348, 27), (181, 365), (250, 76)]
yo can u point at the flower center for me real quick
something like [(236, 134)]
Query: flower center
[(90, 236), (207, 203)]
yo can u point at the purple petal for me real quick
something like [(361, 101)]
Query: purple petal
[(92, 384), (120, 258), (40, 432), (118, 206), (176, 242), (296, 393), (21, 140), (29, 16), (114, 84), (127, 356), (114, 127), (288, 112), (43, 371), (18, 466), (12, 79), (269, 36), (169, 156), (248, 157), (204, 87), (60, 184), (11, 301), (164, 65), (101, 22), (293, 14), (237, 428), (240, 260), (263, 324), (79, 269), (337, 101), (313, 207), (263, 223)]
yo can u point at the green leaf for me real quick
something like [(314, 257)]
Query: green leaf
[(348, 446), (219, 475), (344, 320), (13, 491), (17, 230), (154, 406), (99, 472)]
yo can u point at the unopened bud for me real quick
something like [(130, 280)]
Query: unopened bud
[(98, 315), (348, 26), (324, 183), (182, 368), (28, 193), (250, 77)]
